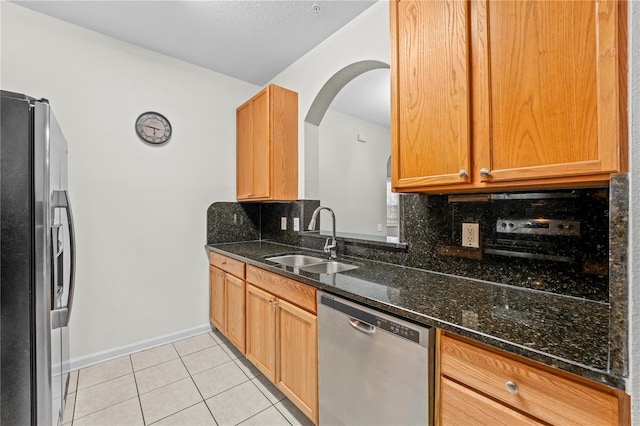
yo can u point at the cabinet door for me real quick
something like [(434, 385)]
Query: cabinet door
[(235, 311), (298, 357), (463, 406), (253, 148), (548, 88), (430, 97), (261, 331), (216, 298), (261, 146), (244, 151)]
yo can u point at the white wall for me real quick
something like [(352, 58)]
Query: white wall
[(364, 38), (634, 214), (140, 210), (354, 174)]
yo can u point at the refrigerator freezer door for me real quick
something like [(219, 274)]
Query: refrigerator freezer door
[(16, 242)]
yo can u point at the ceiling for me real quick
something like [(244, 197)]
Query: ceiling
[(251, 40)]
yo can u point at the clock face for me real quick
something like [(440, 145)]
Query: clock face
[(153, 127)]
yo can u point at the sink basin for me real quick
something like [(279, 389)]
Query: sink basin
[(328, 267), (294, 260), (315, 265)]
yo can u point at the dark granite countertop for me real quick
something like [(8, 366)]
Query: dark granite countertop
[(565, 332)]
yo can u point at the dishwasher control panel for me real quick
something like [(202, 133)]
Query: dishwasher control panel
[(391, 326)]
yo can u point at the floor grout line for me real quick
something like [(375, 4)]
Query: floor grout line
[(135, 380), (102, 383), (173, 414), (225, 346), (102, 409)]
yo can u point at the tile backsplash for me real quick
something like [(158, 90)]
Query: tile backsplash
[(430, 225)]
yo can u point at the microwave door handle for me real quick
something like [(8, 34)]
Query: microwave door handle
[(61, 200)]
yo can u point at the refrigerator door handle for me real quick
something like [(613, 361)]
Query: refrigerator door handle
[(61, 200), (59, 318)]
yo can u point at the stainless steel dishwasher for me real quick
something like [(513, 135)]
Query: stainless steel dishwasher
[(373, 368)]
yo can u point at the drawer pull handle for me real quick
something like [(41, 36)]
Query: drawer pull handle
[(512, 388)]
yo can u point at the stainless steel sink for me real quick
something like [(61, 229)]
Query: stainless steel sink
[(328, 267), (315, 265), (294, 260)]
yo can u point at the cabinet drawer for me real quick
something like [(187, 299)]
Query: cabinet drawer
[(293, 291), (464, 406), (232, 266), (546, 396)]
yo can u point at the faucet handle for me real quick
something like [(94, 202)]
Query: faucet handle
[(327, 246)]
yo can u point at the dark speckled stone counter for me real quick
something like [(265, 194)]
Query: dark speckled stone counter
[(565, 332)]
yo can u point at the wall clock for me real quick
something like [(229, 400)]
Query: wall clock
[(153, 127)]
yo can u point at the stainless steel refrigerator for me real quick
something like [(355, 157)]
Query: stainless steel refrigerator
[(37, 263)]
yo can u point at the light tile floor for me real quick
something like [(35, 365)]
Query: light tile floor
[(201, 380)]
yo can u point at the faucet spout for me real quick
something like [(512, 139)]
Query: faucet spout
[(329, 247)]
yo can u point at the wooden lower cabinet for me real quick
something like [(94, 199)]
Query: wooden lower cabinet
[(216, 297), (464, 406), (298, 357), (484, 385), (282, 342), (261, 331), (227, 298), (235, 311)]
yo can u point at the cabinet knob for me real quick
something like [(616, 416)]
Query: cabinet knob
[(249, 195), (512, 388), (463, 173), (484, 172), (273, 302)]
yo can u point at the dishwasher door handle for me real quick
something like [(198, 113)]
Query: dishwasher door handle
[(362, 326)]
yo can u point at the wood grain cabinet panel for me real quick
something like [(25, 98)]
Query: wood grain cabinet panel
[(216, 298), (295, 292), (282, 339), (464, 406), (261, 330), (546, 395), (501, 94), (267, 146), (235, 311), (227, 298), (431, 95), (298, 357)]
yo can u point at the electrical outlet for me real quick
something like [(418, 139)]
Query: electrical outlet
[(471, 235), (283, 223), (296, 223)]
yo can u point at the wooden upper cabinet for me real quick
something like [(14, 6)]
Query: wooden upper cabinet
[(516, 94), (267, 146), (430, 93)]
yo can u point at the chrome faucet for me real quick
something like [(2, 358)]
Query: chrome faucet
[(332, 248)]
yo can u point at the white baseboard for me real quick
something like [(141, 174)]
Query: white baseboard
[(95, 358)]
